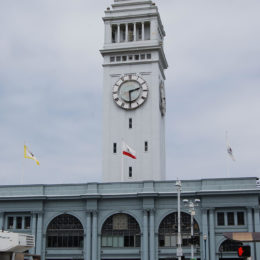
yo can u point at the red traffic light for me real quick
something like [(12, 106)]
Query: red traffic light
[(244, 251), (240, 251)]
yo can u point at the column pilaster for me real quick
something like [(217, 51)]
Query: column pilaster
[(15, 221), (134, 31), (23, 222), (156, 236), (94, 235), (108, 36), (205, 234), (212, 234), (33, 250), (126, 32), (2, 220), (87, 243), (145, 235), (250, 229), (257, 229), (153, 30), (43, 246), (142, 31), (118, 33), (99, 246), (39, 233), (151, 238)]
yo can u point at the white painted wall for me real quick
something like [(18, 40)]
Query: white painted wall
[(148, 123)]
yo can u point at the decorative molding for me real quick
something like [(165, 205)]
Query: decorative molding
[(145, 211), (145, 73), (152, 211), (122, 17), (37, 212), (204, 210), (94, 213), (115, 75)]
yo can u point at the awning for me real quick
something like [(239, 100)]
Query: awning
[(243, 236)]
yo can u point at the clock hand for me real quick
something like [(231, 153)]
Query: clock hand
[(130, 100), (132, 90)]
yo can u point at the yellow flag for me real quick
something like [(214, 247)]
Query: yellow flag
[(29, 155)]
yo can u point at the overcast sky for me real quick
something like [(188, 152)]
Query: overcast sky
[(51, 88)]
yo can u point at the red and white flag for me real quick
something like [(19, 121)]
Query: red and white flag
[(230, 152), (128, 151)]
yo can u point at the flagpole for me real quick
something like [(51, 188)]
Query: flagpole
[(227, 157), (122, 162), (23, 166), (22, 175)]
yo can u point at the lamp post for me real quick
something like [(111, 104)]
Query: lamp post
[(191, 205), (179, 249), (205, 246)]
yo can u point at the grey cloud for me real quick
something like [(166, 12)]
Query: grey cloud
[(51, 88)]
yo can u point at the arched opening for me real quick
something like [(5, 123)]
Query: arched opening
[(228, 249), (168, 231), (65, 231), (119, 231)]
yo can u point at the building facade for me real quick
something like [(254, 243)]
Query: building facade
[(129, 216), (136, 220)]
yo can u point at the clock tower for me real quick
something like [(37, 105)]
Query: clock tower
[(133, 92)]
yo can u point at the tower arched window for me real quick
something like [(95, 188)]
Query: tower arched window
[(168, 230), (121, 230), (147, 30), (65, 231)]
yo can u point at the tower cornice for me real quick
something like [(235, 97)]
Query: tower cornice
[(111, 17), (130, 3), (158, 48), (121, 17)]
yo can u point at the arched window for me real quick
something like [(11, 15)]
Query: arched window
[(65, 231), (168, 230), (121, 230), (230, 246)]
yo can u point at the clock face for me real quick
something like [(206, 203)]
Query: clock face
[(130, 92), (162, 99)]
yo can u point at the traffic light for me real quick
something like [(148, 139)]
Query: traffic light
[(244, 251)]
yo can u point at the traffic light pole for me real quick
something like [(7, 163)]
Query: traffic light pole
[(191, 205)]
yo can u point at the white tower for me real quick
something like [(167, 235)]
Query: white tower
[(133, 91)]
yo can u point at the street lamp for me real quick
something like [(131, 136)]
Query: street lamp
[(191, 204), (179, 249), (205, 246)]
